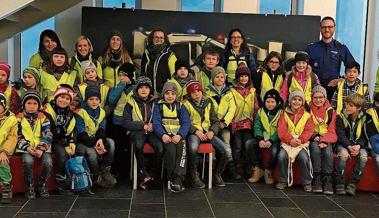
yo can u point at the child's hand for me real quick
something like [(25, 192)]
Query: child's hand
[(317, 139), (261, 143), (323, 145), (176, 139), (3, 158), (268, 144), (99, 147), (31, 151), (294, 143), (39, 153), (222, 125), (210, 135), (148, 127), (201, 135), (166, 139)]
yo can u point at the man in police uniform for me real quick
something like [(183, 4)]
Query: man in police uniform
[(326, 56)]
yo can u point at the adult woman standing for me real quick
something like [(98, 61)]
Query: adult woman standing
[(158, 61), (48, 40), (83, 52), (236, 52), (114, 56)]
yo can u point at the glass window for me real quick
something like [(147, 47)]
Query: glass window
[(30, 40), (198, 5), (279, 6), (118, 3)]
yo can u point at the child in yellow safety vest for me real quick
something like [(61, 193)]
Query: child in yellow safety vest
[(350, 85), (321, 147), (34, 142), (266, 136), (31, 80), (204, 128), (225, 107), (62, 122), (295, 129), (181, 77), (10, 93), (242, 123), (210, 60), (8, 140), (352, 143)]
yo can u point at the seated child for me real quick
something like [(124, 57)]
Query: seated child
[(34, 142), (351, 142), (31, 78), (92, 140), (10, 93), (8, 140), (295, 129), (171, 123), (204, 128)]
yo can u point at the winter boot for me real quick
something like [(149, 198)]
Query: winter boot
[(61, 185), (317, 183), (196, 181), (232, 170), (268, 177), (328, 187), (107, 177), (350, 189), (6, 196), (217, 179), (43, 191), (340, 184), (29, 190), (256, 175), (100, 182)]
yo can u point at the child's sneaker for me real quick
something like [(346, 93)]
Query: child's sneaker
[(328, 187), (268, 177), (43, 192), (29, 192), (217, 180), (281, 185), (176, 186), (350, 189), (196, 181), (317, 184), (340, 189), (6, 196), (308, 188)]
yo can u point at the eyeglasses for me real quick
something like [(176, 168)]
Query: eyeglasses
[(318, 97), (327, 27), (158, 37), (236, 37), (274, 62)]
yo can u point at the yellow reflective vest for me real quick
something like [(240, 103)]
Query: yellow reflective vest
[(269, 127), (307, 89), (49, 109), (233, 64), (136, 112), (5, 126), (267, 84), (91, 125), (244, 106), (362, 90), (50, 83), (32, 135), (374, 116), (195, 116), (297, 129), (104, 90), (360, 125), (322, 127), (121, 103), (8, 94), (226, 109), (170, 118)]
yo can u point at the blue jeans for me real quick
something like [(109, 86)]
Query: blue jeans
[(326, 159), (304, 159), (359, 166), (96, 162), (218, 145), (28, 162), (255, 154)]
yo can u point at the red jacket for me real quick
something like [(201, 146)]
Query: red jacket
[(283, 133), (331, 135), (15, 104)]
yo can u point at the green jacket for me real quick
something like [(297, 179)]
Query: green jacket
[(258, 129)]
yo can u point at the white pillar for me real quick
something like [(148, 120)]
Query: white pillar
[(241, 6), (167, 5)]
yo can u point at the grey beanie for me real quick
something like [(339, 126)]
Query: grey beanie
[(215, 71), (296, 93), (88, 65), (169, 86), (319, 89)]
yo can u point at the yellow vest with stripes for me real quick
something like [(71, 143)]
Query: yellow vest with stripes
[(232, 66), (50, 83), (104, 90), (362, 90), (321, 127), (269, 127), (136, 112), (297, 129), (195, 117), (49, 109), (170, 119), (121, 103), (244, 106), (359, 127), (227, 107), (33, 135), (91, 125), (266, 83)]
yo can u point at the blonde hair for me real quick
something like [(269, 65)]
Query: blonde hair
[(82, 37), (356, 99)]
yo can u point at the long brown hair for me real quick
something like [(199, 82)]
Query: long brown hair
[(124, 54)]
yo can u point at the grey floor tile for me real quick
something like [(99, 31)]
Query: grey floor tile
[(120, 191), (8, 211), (147, 210), (18, 200), (362, 210), (298, 190), (360, 199), (150, 196), (240, 210), (54, 203), (315, 203), (101, 204), (278, 202), (328, 214), (231, 193), (281, 212), (98, 213), (190, 194), (189, 209), (42, 215)]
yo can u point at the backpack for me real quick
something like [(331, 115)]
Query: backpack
[(78, 176)]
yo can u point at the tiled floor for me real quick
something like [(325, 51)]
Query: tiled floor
[(236, 200)]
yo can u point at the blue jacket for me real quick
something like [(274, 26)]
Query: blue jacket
[(249, 57), (184, 119), (114, 96), (335, 52)]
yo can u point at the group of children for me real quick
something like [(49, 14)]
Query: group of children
[(287, 114)]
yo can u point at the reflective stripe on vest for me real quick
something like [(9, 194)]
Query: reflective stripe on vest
[(49, 109), (307, 89), (351, 129), (50, 83), (91, 125), (31, 135), (362, 89), (321, 127), (111, 76), (374, 116), (6, 126), (233, 63), (120, 106), (170, 119), (136, 112), (269, 127), (196, 117), (299, 128), (244, 106), (266, 83), (104, 90)]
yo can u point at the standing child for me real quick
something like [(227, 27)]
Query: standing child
[(10, 93), (204, 128), (181, 77), (34, 142), (138, 115), (350, 85), (62, 122), (352, 142), (242, 123), (171, 123), (266, 135), (210, 59), (372, 128), (225, 107), (324, 118), (295, 129), (8, 140), (92, 140)]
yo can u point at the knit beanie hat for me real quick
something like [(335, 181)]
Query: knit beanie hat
[(181, 63), (115, 33), (217, 70), (319, 89), (193, 85), (296, 93), (242, 69), (143, 80), (169, 86), (92, 91), (127, 69), (86, 65), (6, 68), (64, 89), (273, 93), (31, 94), (302, 56), (3, 101), (34, 72)]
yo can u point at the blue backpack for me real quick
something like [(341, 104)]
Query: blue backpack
[(78, 176)]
